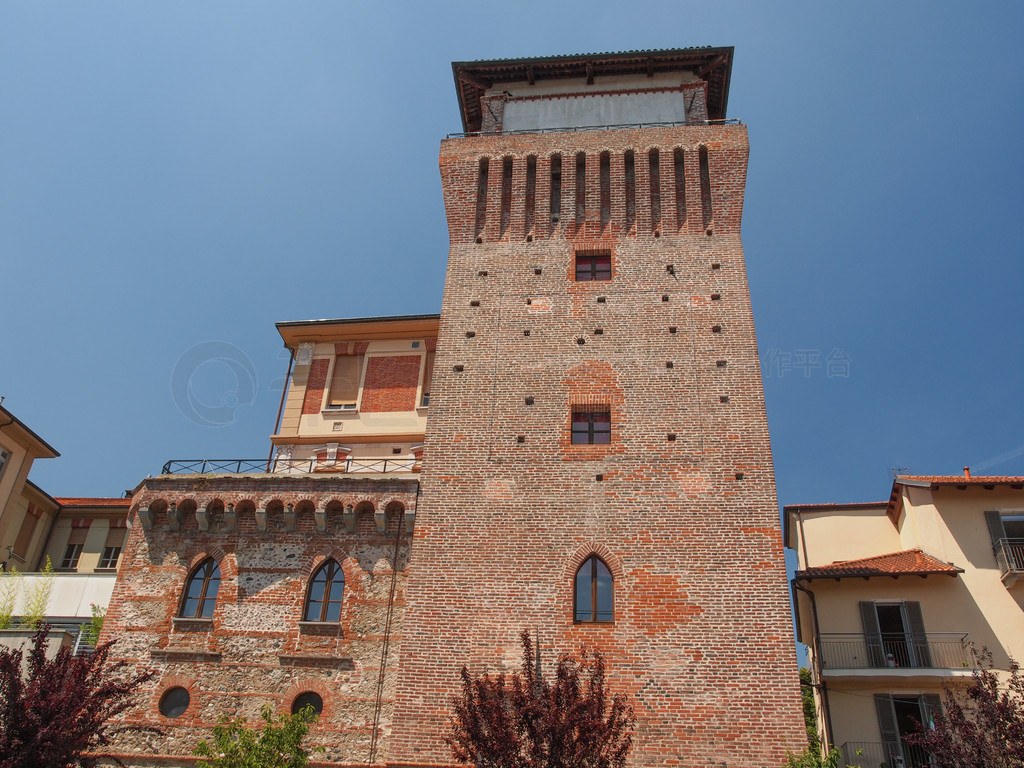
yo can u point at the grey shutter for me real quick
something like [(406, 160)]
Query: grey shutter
[(918, 638), (932, 707), (869, 619), (995, 526), (887, 727)]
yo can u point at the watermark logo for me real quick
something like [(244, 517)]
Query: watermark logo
[(211, 381), (776, 363)]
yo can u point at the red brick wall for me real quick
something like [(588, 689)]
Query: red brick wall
[(702, 639), (317, 382), (390, 384)]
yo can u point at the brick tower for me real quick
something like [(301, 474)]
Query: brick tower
[(597, 464)]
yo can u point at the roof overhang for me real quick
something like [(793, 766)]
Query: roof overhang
[(359, 328), (934, 482), (38, 447), (474, 78)]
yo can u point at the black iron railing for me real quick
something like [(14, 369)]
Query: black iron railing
[(873, 754), (287, 466), (1010, 556), (937, 650)]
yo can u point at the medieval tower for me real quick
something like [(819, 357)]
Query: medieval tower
[(577, 446), (598, 467)]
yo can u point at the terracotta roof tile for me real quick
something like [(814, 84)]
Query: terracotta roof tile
[(911, 562), (961, 480), (86, 501)]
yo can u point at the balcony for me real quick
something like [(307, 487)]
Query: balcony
[(288, 466), (868, 754), (1010, 557), (935, 654)]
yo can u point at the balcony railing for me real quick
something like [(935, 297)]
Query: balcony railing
[(868, 754), (610, 127), (1010, 556), (934, 650), (287, 466)]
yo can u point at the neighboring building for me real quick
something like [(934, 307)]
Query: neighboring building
[(596, 466), (26, 511), (890, 595)]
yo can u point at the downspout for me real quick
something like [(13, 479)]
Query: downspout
[(821, 686), (280, 407)]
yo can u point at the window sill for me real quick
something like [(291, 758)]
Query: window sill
[(422, 410), (106, 570), (329, 628), (339, 413), (182, 624)]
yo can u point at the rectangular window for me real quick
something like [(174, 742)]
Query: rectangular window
[(109, 558), (5, 457), (593, 266), (71, 555), (1007, 531), (344, 391), (592, 426), (428, 374)]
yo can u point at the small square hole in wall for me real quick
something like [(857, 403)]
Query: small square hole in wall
[(458, 368), (672, 329), (665, 297), (528, 400), (537, 270), (723, 398), (526, 333), (716, 296), (470, 334), (482, 273), (599, 478), (716, 329), (739, 475), (601, 299), (599, 331), (474, 303), (716, 265), (722, 363), (671, 436), (396, 451), (670, 364), (521, 439)]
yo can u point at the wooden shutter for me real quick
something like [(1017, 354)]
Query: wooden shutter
[(428, 372), (345, 380), (917, 635), (995, 527), (887, 728), (115, 536), (873, 640)]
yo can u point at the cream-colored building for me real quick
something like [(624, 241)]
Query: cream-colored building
[(26, 511), (889, 596)]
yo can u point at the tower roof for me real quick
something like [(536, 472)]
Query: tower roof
[(473, 78)]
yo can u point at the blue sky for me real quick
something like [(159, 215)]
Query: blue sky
[(178, 174)]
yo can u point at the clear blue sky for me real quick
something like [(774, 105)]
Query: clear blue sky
[(173, 174)]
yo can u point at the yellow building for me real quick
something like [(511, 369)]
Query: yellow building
[(889, 596), (26, 511)]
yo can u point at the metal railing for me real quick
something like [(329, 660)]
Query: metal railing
[(873, 754), (286, 466), (581, 128), (937, 650), (1010, 556)]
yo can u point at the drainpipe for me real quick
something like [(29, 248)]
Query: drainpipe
[(821, 686)]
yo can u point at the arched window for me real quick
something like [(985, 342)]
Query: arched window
[(201, 589), (323, 601), (593, 601)]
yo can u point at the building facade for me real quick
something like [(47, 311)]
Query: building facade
[(890, 596), (595, 467)]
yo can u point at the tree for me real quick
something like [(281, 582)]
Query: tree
[(982, 725), (524, 721), (277, 745), (10, 584), (52, 716), (38, 598)]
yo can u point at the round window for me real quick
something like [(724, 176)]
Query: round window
[(174, 702), (308, 699)]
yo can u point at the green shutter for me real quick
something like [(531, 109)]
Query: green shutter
[(995, 527)]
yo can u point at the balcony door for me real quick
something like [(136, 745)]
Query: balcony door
[(894, 633), (900, 716)]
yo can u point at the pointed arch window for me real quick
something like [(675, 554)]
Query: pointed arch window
[(593, 592), (323, 600), (200, 595)]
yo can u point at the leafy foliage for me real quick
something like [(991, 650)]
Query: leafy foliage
[(38, 598), (810, 712), (524, 721), (982, 725), (92, 630), (277, 745), (50, 717), (10, 584), (811, 758)]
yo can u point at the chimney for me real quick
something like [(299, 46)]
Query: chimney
[(967, 472)]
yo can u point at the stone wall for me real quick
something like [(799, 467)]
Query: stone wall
[(268, 535)]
